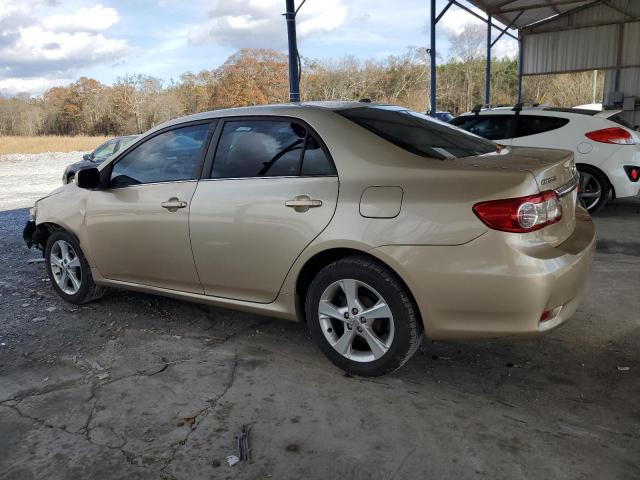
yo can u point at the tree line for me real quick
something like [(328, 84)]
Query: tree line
[(135, 103)]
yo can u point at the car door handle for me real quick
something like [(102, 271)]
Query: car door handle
[(302, 203), (173, 204)]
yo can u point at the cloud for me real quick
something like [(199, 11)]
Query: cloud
[(37, 51), (456, 20), (13, 86), (34, 48), (259, 23), (92, 19)]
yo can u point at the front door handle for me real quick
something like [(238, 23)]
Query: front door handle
[(173, 204), (302, 203)]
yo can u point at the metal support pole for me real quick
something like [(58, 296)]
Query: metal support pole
[(294, 81), (520, 66), (433, 58), (487, 71)]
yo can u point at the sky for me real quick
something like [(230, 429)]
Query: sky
[(44, 43)]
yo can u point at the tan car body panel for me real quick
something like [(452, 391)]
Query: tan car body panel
[(245, 238), (134, 239), (467, 280)]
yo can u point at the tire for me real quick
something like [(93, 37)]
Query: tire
[(347, 342), (593, 182), (63, 267)]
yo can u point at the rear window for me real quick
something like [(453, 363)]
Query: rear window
[(533, 125), (496, 127), (418, 133)]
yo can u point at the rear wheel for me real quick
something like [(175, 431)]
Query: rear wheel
[(594, 189), (362, 317), (68, 269)]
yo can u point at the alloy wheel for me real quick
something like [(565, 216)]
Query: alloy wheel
[(356, 320), (65, 266), (590, 190)]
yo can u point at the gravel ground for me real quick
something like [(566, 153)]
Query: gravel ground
[(27, 177), (136, 386)]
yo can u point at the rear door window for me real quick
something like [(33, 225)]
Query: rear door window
[(418, 133), (535, 124), (494, 127), (268, 148)]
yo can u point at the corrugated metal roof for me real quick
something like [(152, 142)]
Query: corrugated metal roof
[(527, 12)]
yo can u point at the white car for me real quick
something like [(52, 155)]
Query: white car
[(606, 148)]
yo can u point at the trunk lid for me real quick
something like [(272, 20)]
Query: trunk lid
[(551, 170)]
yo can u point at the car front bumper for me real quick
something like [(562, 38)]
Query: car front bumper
[(27, 233), (489, 289)]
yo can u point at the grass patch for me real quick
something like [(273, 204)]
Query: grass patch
[(15, 144)]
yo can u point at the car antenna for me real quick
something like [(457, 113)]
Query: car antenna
[(365, 100), (477, 109)]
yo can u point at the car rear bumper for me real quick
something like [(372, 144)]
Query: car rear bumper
[(488, 289), (614, 167)]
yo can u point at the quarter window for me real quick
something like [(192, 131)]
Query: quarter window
[(267, 148), (533, 125), (170, 156)]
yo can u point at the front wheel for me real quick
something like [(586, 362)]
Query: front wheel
[(68, 270), (362, 317)]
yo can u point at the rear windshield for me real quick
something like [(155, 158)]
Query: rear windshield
[(418, 133)]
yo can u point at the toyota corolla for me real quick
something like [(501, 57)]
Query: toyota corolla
[(372, 224)]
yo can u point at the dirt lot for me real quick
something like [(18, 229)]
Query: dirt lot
[(48, 143), (136, 386)]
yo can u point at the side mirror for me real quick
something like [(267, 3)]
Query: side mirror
[(88, 178), (87, 157)]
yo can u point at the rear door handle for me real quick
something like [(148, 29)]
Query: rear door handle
[(302, 203), (173, 204)]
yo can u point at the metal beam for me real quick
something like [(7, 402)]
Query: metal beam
[(619, 47), (520, 68), (433, 58), (294, 72), (487, 70), (467, 9), (578, 70), (504, 30), (444, 10), (556, 3), (529, 32), (607, 3)]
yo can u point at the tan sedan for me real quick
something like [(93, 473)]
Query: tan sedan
[(372, 224)]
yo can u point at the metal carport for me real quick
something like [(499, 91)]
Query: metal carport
[(554, 36)]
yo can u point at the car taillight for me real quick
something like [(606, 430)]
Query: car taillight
[(633, 173), (616, 135), (522, 214)]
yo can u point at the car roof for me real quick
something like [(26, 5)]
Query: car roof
[(280, 109), (537, 109)]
